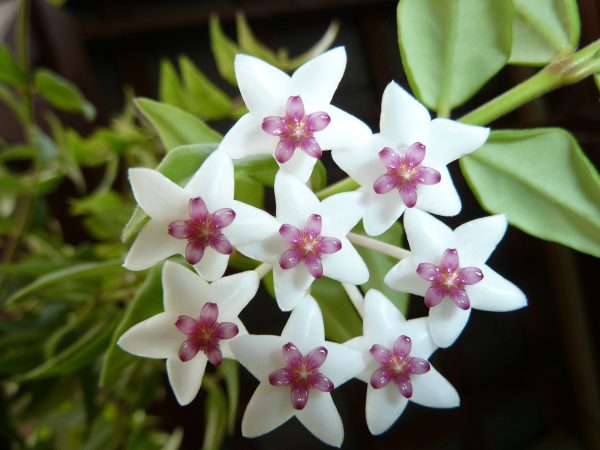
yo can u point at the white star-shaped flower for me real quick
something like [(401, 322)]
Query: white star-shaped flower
[(197, 325), (396, 352), (448, 268), (200, 220), (291, 117), (404, 166), (297, 371), (308, 239)]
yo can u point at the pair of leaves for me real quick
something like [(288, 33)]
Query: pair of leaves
[(62, 93)]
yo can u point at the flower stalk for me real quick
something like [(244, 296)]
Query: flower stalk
[(381, 247)]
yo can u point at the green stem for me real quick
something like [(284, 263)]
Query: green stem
[(566, 70), (347, 184)]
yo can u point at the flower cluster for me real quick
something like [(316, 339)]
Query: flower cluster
[(401, 172)]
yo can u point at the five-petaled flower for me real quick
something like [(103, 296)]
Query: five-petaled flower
[(310, 231), (200, 220), (448, 268), (404, 166), (295, 385), (291, 117), (395, 351), (198, 324)]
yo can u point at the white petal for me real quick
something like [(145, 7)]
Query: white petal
[(317, 79), (213, 181), (382, 319), (234, 292), (291, 285), (344, 133), (250, 225), (186, 377), (418, 331), (403, 118), (268, 408), (260, 354), (304, 328), (247, 137), (427, 236), (300, 165), (433, 390), (495, 293), (383, 407), (156, 337), (403, 277), (213, 264), (226, 344), (441, 198), (362, 345), (153, 244), (158, 196), (449, 140), (477, 239), (341, 212), (294, 200), (321, 418), (267, 250), (265, 88), (382, 212), (362, 165), (342, 363), (185, 292), (346, 265), (446, 322)]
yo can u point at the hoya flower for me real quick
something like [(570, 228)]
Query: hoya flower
[(396, 352), (404, 166), (291, 117), (297, 371), (198, 324), (307, 240), (448, 269), (200, 221)]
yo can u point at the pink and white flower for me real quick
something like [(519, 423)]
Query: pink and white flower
[(297, 371), (291, 117), (395, 351), (201, 221), (448, 269), (404, 165), (198, 324), (307, 240)]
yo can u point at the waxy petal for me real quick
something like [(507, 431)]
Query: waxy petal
[(155, 337), (478, 238), (446, 322), (290, 233), (404, 385), (434, 296), (213, 264), (180, 229), (408, 192), (291, 258), (294, 200), (226, 330), (291, 354), (209, 314), (184, 290), (247, 137), (232, 293), (433, 390), (383, 407), (188, 350), (496, 293), (440, 198), (470, 275), (415, 154), (381, 377), (314, 265), (223, 217), (450, 140), (194, 251), (449, 261), (313, 225), (317, 121), (322, 419), (268, 408), (316, 357), (321, 383), (295, 108), (418, 366), (197, 209), (221, 244), (185, 377), (381, 354), (428, 176), (213, 181), (285, 150), (403, 118), (346, 265), (152, 245), (291, 286), (280, 377), (389, 158), (382, 212), (311, 147), (275, 126), (305, 327), (158, 196), (213, 353), (186, 324), (381, 320), (299, 396), (428, 237), (329, 245), (259, 354), (428, 272), (460, 298), (402, 346), (385, 183)]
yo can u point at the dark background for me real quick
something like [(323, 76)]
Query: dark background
[(527, 379)]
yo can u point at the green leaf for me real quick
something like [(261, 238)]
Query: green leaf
[(72, 273), (10, 71), (62, 94), (321, 46), (230, 371), (215, 412), (261, 168), (249, 43), (342, 322), (249, 191), (174, 126), (451, 48), (543, 182), (169, 89), (13, 102), (178, 165), (203, 97), (224, 50), (318, 178), (597, 80), (544, 29), (146, 303)]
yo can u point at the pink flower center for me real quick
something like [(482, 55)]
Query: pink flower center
[(449, 279), (296, 129), (307, 245), (203, 229), (405, 173), (301, 374), (396, 365), (204, 334)]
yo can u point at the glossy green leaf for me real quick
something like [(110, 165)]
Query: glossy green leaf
[(62, 94), (146, 303), (10, 72), (174, 126), (318, 178), (543, 182), (249, 44), (597, 80), (170, 89), (342, 322), (451, 48), (8, 97), (203, 97), (229, 369), (544, 29), (249, 191), (261, 168), (224, 50), (178, 165)]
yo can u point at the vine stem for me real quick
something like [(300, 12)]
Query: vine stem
[(381, 247), (356, 297)]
